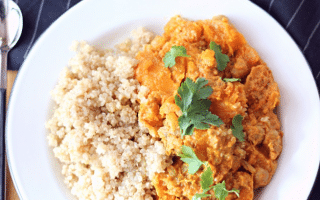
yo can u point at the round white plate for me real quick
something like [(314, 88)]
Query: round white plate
[(36, 173)]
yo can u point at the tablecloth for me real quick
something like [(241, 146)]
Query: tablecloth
[(301, 18)]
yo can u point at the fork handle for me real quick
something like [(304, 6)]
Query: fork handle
[(2, 141)]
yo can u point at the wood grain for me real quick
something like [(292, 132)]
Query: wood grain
[(11, 193)]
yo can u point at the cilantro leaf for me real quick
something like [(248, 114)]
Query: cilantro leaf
[(194, 105), (175, 51), (221, 192), (206, 179), (222, 59), (188, 156), (237, 128), (231, 79)]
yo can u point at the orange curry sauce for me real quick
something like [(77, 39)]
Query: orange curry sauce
[(243, 165)]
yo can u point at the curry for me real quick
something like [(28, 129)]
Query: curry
[(246, 165)]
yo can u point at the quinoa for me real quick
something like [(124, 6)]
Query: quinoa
[(94, 131)]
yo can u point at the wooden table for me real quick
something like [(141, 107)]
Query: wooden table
[(11, 193)]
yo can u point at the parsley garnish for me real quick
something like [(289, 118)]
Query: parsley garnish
[(231, 79), (237, 128), (175, 51), (189, 156), (206, 179), (222, 59), (194, 105), (221, 192)]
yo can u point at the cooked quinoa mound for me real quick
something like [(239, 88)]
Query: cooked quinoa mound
[(94, 130)]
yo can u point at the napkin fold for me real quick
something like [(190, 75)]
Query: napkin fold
[(300, 18)]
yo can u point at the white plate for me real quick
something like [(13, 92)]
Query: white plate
[(36, 172)]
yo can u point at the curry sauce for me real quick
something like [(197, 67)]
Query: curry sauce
[(242, 165)]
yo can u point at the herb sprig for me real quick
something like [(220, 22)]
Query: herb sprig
[(206, 179), (188, 156), (221, 192), (222, 59), (194, 105), (237, 128), (175, 51)]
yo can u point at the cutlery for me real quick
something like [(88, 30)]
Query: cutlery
[(10, 31)]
